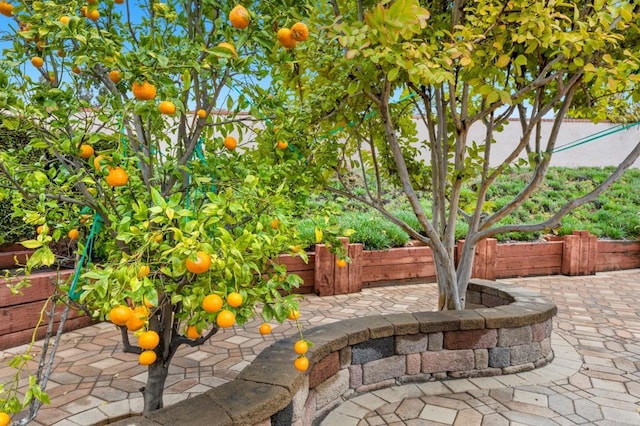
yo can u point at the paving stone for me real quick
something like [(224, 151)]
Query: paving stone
[(412, 343), (525, 354), (438, 414), (355, 376), (622, 416), (324, 369), (414, 364), (436, 341), (468, 417), (442, 361), (372, 350), (332, 389), (515, 336), (481, 358), (410, 408), (470, 339), (499, 357), (383, 369), (588, 410)]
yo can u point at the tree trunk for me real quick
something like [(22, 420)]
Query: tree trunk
[(154, 389), (464, 270), (448, 297)]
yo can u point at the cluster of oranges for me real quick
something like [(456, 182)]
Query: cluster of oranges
[(135, 319), (117, 176), (289, 37), (73, 233)]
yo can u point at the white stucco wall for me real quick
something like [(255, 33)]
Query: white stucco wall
[(604, 151)]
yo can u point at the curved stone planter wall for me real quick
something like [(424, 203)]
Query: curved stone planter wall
[(508, 331)]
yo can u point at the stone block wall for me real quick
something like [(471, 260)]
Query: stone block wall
[(358, 355)]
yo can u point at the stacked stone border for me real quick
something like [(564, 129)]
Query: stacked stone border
[(507, 331)]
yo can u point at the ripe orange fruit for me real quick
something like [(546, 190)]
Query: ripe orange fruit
[(301, 347), (228, 46), (73, 234), (225, 319), (282, 144), (93, 15), (286, 38), (299, 31), (4, 417), (301, 363), (192, 332), (76, 69), (65, 20), (86, 151), (265, 328), (148, 339), (275, 222), (294, 314), (167, 107), (341, 263), (119, 314), (239, 17), (7, 10), (234, 299), (144, 91), (83, 11), (201, 263), (118, 1), (137, 320), (117, 177), (115, 76), (230, 143), (147, 358), (97, 160), (201, 113), (212, 303), (143, 271), (37, 61), (39, 229)]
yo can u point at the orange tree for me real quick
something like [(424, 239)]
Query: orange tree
[(178, 220), (381, 69)]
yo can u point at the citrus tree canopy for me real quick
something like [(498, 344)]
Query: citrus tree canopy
[(379, 69), (147, 160)]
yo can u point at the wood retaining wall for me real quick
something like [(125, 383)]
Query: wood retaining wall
[(576, 254), (19, 314)]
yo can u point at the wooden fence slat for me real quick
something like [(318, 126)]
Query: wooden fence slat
[(529, 249), (25, 316), (618, 247), (324, 266), (385, 273), (41, 288), (355, 268), (21, 337), (516, 264)]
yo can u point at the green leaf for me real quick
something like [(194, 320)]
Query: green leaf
[(393, 74), (31, 244)]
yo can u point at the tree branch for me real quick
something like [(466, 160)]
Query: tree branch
[(571, 205)]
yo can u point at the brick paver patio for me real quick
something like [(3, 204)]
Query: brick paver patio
[(595, 378)]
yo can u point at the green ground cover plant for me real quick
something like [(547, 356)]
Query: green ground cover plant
[(614, 215)]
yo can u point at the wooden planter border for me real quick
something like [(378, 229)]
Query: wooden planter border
[(577, 254)]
